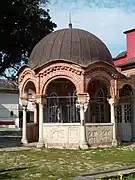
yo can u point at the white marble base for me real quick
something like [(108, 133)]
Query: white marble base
[(40, 144), (114, 142), (84, 145), (24, 141)]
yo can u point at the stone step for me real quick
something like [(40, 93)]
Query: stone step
[(10, 141), (108, 174), (10, 133)]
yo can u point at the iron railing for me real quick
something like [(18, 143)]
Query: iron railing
[(61, 109)]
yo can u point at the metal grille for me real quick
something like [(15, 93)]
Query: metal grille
[(96, 112), (127, 113), (61, 109), (118, 116)]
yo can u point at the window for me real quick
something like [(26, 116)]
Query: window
[(127, 113), (11, 113), (61, 109), (100, 113), (123, 113), (100, 106), (53, 114), (126, 91), (118, 114)]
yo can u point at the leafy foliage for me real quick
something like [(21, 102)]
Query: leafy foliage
[(22, 24)]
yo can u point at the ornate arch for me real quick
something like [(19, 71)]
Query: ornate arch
[(27, 72), (62, 70), (22, 89), (129, 84), (121, 85), (27, 75), (103, 76), (49, 80), (104, 66)]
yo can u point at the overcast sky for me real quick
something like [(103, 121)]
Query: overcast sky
[(107, 19)]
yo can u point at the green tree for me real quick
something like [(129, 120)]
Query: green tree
[(22, 24)]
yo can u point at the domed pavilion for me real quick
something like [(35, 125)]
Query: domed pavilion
[(70, 88)]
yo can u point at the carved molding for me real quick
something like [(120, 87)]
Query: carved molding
[(75, 76), (106, 135), (73, 135), (99, 135), (60, 68), (57, 135), (92, 137), (111, 73), (101, 70), (23, 75)]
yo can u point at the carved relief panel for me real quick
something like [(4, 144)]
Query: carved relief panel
[(57, 136), (99, 134), (74, 135)]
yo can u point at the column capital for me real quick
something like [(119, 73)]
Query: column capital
[(24, 101), (24, 107), (111, 101), (83, 98), (34, 104), (40, 99)]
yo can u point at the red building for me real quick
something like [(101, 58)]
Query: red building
[(126, 59)]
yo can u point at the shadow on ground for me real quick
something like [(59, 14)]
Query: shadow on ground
[(128, 143), (12, 173)]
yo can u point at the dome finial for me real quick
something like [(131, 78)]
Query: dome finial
[(70, 23)]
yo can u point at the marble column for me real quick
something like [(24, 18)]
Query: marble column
[(112, 109), (83, 143), (83, 101), (35, 112), (24, 126), (40, 141)]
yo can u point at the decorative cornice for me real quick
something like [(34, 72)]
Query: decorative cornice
[(102, 69), (24, 74), (60, 68)]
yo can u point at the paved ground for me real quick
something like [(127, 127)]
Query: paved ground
[(14, 148)]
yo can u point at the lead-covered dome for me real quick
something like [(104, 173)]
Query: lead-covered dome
[(74, 45)]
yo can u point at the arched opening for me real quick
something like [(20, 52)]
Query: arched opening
[(124, 113), (30, 92), (61, 102), (31, 113), (124, 109), (126, 91), (99, 109)]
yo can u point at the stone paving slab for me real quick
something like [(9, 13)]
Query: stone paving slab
[(6, 142), (102, 174), (11, 133), (15, 148)]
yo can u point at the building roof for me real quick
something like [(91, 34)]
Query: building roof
[(74, 45), (130, 30), (8, 85), (130, 61), (121, 55)]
